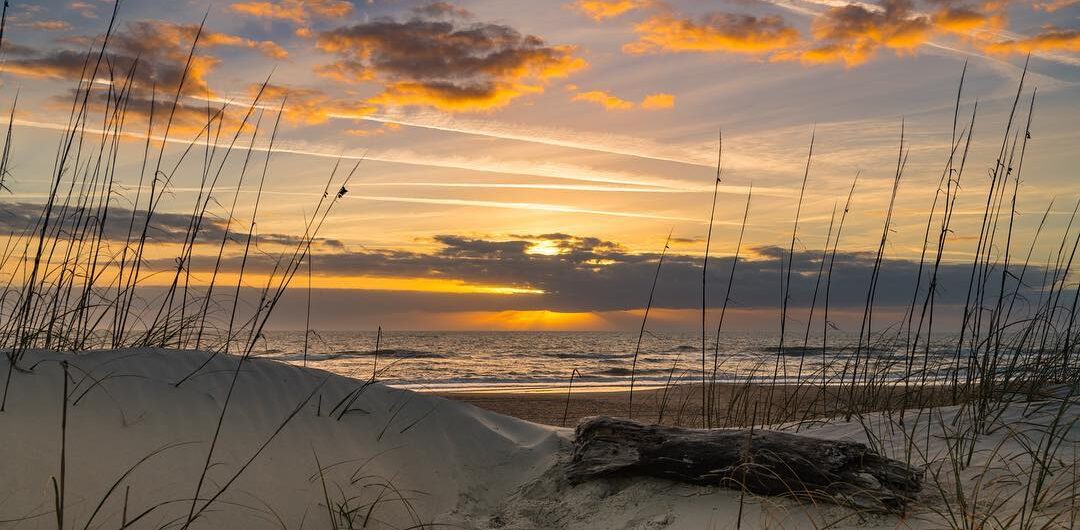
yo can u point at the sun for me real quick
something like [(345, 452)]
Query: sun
[(544, 248)]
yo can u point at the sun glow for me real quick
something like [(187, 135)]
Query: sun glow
[(544, 248), (537, 320)]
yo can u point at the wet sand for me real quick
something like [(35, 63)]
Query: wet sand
[(731, 404)]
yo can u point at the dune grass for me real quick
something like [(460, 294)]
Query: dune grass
[(1015, 345)]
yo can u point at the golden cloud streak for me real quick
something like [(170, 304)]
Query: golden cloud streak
[(608, 101), (715, 32), (1048, 40), (600, 10)]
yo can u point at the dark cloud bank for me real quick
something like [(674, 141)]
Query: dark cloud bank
[(597, 275), (592, 274), (165, 227), (589, 274)]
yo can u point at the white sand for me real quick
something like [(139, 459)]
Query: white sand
[(452, 463)]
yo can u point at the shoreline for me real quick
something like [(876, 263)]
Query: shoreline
[(617, 387), (733, 404)]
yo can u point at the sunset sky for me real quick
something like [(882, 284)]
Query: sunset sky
[(525, 161)]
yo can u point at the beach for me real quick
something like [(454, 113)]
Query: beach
[(113, 439), (681, 405)]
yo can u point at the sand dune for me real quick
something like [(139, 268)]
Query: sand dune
[(397, 459)]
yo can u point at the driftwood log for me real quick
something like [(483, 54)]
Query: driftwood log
[(761, 461)]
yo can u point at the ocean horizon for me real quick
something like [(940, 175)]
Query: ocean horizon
[(449, 360)]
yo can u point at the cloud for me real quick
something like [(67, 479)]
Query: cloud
[(164, 228), (850, 33), (46, 25), (959, 20), (161, 32), (973, 19), (604, 99), (853, 34), (298, 11), (188, 117), (713, 32), (1051, 6), (85, 9), (565, 272), (441, 10), (613, 102), (163, 72), (161, 48), (310, 105), (578, 274), (346, 71), (270, 49), (1048, 40), (599, 10), (658, 101), (445, 64), (452, 97)]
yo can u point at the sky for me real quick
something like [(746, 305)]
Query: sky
[(522, 165)]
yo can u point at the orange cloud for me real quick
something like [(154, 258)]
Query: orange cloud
[(167, 77), (613, 102), (965, 19), (189, 118), (211, 39), (604, 99), (658, 101), (451, 97), (959, 20), (1053, 5), (443, 64), (610, 102), (272, 49), (599, 10), (161, 48), (713, 32), (298, 11), (853, 34), (311, 106), (1048, 40), (345, 71), (85, 9), (46, 25), (441, 10)]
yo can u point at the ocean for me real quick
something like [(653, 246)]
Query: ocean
[(445, 360)]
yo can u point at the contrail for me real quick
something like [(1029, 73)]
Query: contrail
[(499, 185), (558, 208), (465, 185), (550, 170), (603, 143), (524, 206), (521, 168), (612, 144)]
